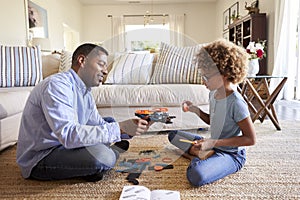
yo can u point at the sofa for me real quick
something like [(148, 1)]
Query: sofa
[(20, 69), (135, 81)]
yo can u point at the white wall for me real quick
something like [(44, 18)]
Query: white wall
[(61, 12), (13, 20), (12, 23), (200, 19)]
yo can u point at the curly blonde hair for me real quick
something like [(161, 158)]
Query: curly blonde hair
[(230, 60)]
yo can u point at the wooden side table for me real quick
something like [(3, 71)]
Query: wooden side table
[(249, 91)]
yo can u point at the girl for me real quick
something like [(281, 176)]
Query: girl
[(222, 64)]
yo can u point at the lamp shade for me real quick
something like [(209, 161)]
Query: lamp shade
[(43, 42)]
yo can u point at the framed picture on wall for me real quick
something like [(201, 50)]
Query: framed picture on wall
[(37, 20), (234, 11), (226, 16), (226, 35)]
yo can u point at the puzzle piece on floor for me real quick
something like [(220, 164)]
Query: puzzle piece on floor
[(134, 161)]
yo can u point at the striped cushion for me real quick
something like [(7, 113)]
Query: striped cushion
[(175, 65), (131, 69), (20, 66), (65, 61)]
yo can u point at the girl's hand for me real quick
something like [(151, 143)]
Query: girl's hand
[(205, 144), (186, 106)]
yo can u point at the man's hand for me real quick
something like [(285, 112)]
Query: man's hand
[(134, 127)]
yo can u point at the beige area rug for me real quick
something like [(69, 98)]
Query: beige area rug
[(272, 171)]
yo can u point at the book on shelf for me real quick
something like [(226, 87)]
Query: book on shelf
[(131, 192)]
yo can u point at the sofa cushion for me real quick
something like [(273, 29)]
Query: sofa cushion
[(65, 61), (50, 64), (12, 102), (175, 65), (9, 130), (16, 89), (20, 66), (149, 95), (131, 68)]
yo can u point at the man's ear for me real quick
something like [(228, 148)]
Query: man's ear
[(81, 60)]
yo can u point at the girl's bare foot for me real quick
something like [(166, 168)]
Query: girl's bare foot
[(183, 154), (194, 151)]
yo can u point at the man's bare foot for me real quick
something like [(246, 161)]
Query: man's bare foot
[(200, 154)]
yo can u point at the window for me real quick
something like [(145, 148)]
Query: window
[(297, 83), (71, 38), (146, 38)]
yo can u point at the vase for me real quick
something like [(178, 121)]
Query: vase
[(253, 67)]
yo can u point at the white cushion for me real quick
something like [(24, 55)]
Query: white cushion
[(9, 130), (12, 102), (65, 61), (50, 64), (131, 69), (175, 65), (20, 66), (149, 95)]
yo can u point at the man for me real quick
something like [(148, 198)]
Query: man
[(62, 134)]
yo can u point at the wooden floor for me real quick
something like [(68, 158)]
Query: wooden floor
[(287, 110)]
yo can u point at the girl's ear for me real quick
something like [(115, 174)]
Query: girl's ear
[(227, 78)]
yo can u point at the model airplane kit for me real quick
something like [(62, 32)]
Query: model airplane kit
[(155, 115)]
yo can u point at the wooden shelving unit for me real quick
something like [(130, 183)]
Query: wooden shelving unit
[(252, 27)]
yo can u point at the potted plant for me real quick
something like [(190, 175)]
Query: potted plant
[(234, 17), (256, 51)]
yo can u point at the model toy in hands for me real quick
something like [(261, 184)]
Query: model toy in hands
[(155, 115)]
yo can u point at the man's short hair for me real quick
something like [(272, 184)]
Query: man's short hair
[(86, 49)]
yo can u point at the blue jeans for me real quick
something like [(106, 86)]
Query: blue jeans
[(219, 165), (64, 163)]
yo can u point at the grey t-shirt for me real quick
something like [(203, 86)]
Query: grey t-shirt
[(224, 115)]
